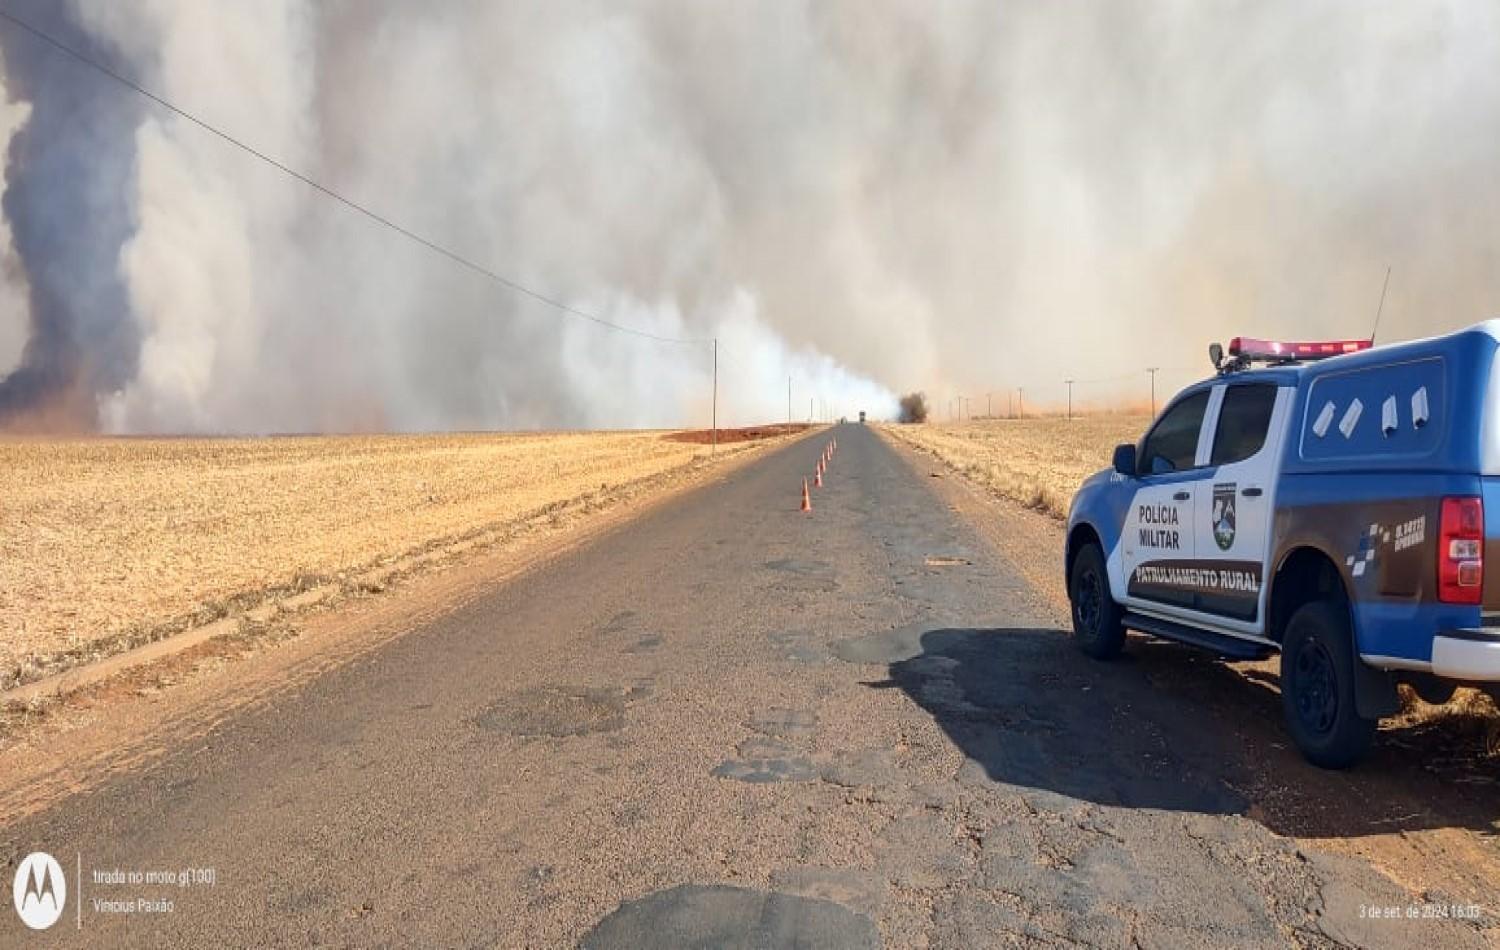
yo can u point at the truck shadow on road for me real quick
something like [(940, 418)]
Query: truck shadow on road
[(1169, 728)]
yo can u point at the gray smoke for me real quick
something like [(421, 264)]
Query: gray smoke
[(68, 172), (865, 196)]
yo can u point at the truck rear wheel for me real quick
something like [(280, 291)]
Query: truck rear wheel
[(1317, 687), (1096, 616)]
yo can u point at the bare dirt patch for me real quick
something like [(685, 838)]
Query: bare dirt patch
[(745, 434), (106, 544)]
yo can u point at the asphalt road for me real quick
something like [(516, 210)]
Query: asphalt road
[(728, 723)]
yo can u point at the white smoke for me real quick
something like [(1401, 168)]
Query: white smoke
[(868, 196), (13, 304), (537, 141)]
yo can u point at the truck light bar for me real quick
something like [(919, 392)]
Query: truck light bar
[(1249, 348)]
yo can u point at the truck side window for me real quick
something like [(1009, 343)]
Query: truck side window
[(1244, 418), (1173, 442)]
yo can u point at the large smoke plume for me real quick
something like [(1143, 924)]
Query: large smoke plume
[(859, 195), (68, 172)]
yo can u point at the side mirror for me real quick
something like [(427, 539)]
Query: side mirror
[(1125, 460), (1216, 355)]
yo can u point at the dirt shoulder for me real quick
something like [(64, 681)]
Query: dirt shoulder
[(1423, 809)]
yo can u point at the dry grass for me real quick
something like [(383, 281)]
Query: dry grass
[(1037, 462), (109, 542)]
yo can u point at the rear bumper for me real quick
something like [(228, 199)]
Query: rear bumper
[(1472, 654)]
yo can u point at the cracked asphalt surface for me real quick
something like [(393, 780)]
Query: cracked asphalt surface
[(727, 723)]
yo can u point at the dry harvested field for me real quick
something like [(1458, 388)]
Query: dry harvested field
[(1037, 462), (106, 543)]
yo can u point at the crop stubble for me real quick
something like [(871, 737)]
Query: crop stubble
[(1037, 462), (107, 539)]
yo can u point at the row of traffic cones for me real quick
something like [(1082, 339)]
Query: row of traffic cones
[(822, 465)]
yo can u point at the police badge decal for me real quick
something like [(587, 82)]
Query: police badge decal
[(1224, 515)]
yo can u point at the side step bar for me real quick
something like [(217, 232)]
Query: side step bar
[(1230, 647)]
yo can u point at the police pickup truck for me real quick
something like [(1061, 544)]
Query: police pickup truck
[(1324, 500)]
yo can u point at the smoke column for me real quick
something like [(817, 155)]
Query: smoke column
[(866, 196), (66, 205)]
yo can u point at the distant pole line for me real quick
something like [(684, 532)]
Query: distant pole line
[(1152, 370)]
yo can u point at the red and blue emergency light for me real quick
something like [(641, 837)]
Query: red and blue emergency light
[(1249, 348)]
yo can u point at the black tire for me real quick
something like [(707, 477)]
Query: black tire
[(1096, 617), (1317, 687)]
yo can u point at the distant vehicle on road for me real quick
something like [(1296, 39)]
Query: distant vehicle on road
[(1326, 500), (861, 417)]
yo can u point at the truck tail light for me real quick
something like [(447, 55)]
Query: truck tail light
[(1461, 551)]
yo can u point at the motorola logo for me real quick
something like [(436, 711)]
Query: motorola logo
[(40, 890)]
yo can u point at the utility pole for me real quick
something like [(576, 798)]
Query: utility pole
[(1020, 403), (716, 395), (810, 416), (1070, 399), (1010, 406), (1152, 370), (988, 412), (789, 400), (968, 410)]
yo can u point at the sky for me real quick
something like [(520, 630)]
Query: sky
[(861, 197)]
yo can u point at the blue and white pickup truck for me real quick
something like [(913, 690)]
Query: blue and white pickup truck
[(1325, 500)]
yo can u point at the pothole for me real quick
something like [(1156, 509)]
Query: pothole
[(784, 723), (556, 711), (765, 771), (764, 747), (887, 646), (798, 566), (694, 915)]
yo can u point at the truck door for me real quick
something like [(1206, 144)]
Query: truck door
[(1158, 540), (1232, 509)]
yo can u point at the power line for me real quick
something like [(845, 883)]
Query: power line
[(329, 192)]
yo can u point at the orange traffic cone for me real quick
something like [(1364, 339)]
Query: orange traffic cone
[(806, 498), (818, 477)]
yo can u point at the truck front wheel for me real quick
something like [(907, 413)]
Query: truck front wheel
[(1317, 687), (1096, 616)]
